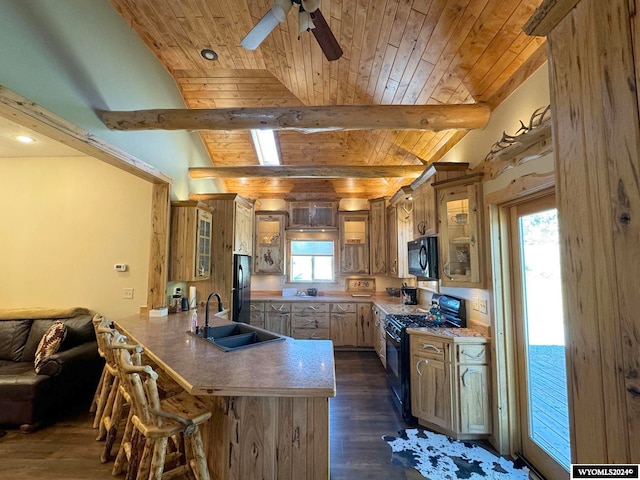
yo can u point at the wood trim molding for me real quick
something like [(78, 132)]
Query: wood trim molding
[(33, 116), (548, 16), (298, 171), (308, 119), (520, 187), (159, 251)]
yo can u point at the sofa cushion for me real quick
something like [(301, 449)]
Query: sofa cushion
[(13, 335), (49, 344), (10, 368), (79, 330)]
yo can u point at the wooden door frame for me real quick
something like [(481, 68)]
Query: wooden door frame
[(505, 437), (514, 211)]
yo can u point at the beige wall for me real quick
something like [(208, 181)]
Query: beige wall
[(65, 222)]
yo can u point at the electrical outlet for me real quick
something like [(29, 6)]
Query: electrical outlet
[(475, 305), (127, 293), (482, 304)]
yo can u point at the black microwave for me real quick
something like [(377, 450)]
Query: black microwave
[(423, 257)]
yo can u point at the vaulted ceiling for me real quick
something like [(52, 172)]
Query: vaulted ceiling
[(409, 52)]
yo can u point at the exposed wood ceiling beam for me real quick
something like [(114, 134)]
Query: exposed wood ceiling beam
[(337, 117), (298, 171)]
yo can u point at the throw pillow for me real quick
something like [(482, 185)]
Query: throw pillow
[(50, 343)]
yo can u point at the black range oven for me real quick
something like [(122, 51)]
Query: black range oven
[(397, 344)]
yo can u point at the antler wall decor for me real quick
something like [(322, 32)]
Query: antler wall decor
[(527, 143)]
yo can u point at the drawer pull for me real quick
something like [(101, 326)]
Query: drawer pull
[(479, 355), (314, 335), (341, 308), (311, 307), (427, 346), (418, 365)]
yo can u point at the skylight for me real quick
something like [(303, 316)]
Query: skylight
[(266, 148)]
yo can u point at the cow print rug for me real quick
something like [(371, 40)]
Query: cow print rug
[(438, 457)]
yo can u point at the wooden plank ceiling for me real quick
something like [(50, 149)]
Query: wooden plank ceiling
[(395, 52)]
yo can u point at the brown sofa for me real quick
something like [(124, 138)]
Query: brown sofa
[(67, 378)]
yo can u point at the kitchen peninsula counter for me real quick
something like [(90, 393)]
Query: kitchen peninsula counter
[(269, 403), (289, 368)]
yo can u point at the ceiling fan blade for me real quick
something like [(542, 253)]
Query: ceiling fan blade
[(325, 38), (276, 14)]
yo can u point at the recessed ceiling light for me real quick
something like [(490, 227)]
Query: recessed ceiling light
[(24, 139), (209, 54)]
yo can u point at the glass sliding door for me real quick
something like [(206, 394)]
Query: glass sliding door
[(539, 326)]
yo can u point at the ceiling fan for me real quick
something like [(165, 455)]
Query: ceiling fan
[(309, 18)]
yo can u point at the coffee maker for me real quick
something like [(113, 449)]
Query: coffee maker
[(409, 295)]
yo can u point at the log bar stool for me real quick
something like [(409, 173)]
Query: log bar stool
[(157, 420), (108, 386)]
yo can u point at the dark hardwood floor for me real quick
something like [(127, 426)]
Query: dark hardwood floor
[(360, 414)]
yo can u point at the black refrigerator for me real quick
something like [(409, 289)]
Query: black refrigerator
[(241, 288)]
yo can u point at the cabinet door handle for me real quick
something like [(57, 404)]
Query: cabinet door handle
[(418, 365), (426, 346), (445, 270), (468, 370)]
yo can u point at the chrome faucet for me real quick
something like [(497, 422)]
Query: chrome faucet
[(206, 314)]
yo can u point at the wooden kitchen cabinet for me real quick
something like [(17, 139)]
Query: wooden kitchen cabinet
[(378, 236), (354, 243), (190, 242), (473, 388), (315, 214), (269, 257), (425, 205), (344, 324), (243, 226), (431, 394), (399, 232), (379, 339), (256, 314), (277, 318), (460, 245), (232, 222), (364, 327), (450, 384), (310, 320)]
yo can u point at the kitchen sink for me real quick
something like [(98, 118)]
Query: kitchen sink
[(236, 336)]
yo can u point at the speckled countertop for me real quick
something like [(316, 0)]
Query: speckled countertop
[(462, 333), (289, 368)]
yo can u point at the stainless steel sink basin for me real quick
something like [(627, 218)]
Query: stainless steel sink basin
[(236, 336)]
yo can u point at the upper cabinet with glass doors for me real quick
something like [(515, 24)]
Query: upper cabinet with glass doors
[(460, 213), (269, 243), (354, 242), (190, 242)]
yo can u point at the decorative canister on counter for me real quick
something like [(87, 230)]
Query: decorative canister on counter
[(409, 295)]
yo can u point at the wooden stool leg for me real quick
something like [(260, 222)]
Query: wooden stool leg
[(145, 462), (96, 395), (198, 461), (157, 462), (112, 423), (135, 455), (102, 400), (126, 443), (108, 409)]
